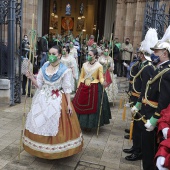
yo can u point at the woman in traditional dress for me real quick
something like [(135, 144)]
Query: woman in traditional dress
[(70, 62), (110, 81), (52, 130), (73, 52), (88, 98)]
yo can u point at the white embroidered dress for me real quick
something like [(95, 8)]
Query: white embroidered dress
[(70, 62), (112, 90), (43, 118)]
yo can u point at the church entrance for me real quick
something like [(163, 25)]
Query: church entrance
[(84, 17)]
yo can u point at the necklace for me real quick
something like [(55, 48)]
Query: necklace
[(54, 67), (92, 63)]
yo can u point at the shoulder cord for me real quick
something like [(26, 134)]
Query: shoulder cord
[(132, 69), (151, 82), (138, 74)]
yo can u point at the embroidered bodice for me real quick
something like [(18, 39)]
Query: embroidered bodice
[(93, 72), (73, 52), (46, 86), (68, 61)]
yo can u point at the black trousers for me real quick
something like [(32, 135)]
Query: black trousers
[(136, 138), (123, 68), (149, 149), (24, 82), (137, 145)]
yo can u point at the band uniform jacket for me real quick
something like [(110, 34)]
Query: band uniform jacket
[(133, 71), (158, 93), (146, 72)]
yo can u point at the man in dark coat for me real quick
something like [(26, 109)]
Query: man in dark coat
[(43, 49)]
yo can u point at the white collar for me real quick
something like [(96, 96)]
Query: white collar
[(162, 63)]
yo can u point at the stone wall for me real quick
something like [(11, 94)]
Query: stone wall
[(29, 8), (4, 91), (129, 20)]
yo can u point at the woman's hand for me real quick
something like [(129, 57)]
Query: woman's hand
[(104, 83), (29, 75), (74, 76), (111, 69), (69, 110)]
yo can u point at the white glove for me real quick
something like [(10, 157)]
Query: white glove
[(160, 162), (126, 65), (134, 109), (127, 105), (165, 132), (149, 126)]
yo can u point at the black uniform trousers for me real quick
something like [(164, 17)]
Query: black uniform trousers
[(136, 138), (149, 143), (136, 131), (149, 148)]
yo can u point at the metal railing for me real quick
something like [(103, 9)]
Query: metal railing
[(156, 16), (10, 41)]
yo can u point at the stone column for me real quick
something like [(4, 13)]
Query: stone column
[(139, 19), (120, 20), (29, 8), (130, 20), (109, 17), (39, 18)]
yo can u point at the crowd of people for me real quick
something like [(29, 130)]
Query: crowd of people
[(54, 124)]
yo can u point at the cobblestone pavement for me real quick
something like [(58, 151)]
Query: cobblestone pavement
[(102, 153)]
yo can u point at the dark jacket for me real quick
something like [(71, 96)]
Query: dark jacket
[(25, 48), (43, 44), (158, 91)]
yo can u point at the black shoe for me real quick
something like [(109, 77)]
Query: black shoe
[(131, 150), (134, 157), (127, 136), (127, 130), (28, 95), (23, 94)]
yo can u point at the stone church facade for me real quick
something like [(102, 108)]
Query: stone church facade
[(123, 18)]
